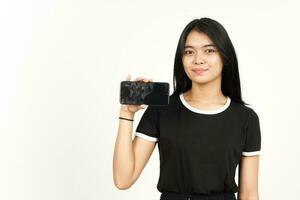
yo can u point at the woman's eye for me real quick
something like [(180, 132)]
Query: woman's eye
[(210, 50), (188, 52)]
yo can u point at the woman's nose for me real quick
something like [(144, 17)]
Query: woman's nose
[(199, 58)]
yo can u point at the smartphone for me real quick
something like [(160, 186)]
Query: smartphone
[(149, 93)]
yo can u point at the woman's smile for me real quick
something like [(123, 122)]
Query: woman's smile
[(199, 71)]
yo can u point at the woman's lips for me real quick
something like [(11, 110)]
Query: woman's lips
[(199, 71)]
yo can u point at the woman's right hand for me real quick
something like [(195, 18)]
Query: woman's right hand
[(134, 108)]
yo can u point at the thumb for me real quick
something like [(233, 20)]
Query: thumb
[(143, 106)]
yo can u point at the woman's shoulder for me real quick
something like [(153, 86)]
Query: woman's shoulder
[(243, 109)]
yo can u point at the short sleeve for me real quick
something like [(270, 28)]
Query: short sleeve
[(148, 127), (252, 142)]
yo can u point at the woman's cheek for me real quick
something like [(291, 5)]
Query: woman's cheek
[(187, 62)]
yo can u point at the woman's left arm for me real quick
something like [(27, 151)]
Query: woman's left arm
[(248, 178)]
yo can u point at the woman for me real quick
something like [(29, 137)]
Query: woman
[(203, 133)]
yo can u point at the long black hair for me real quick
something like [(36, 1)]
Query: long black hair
[(230, 84)]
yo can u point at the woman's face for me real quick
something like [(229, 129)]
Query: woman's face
[(201, 59)]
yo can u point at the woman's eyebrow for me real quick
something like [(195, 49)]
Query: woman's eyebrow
[(206, 45)]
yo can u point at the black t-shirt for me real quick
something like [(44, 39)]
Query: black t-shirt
[(199, 150)]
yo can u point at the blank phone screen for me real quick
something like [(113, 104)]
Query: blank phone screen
[(149, 93)]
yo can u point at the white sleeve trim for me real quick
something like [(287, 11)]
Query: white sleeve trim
[(252, 153), (146, 137)]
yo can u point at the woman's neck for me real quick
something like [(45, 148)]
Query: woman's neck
[(209, 93)]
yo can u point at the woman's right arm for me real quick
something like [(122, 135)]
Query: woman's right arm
[(130, 156)]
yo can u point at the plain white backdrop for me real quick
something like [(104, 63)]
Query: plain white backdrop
[(61, 66)]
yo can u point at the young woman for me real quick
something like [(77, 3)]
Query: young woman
[(203, 133)]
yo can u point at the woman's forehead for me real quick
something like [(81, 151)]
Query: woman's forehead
[(198, 40)]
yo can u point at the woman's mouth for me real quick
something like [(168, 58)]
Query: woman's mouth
[(199, 71)]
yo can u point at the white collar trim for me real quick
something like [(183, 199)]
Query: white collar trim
[(197, 110)]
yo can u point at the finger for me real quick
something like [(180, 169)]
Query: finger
[(139, 78), (150, 80), (128, 77), (143, 106)]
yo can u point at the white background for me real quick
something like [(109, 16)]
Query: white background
[(61, 66)]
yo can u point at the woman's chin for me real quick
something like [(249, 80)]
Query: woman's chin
[(200, 79)]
